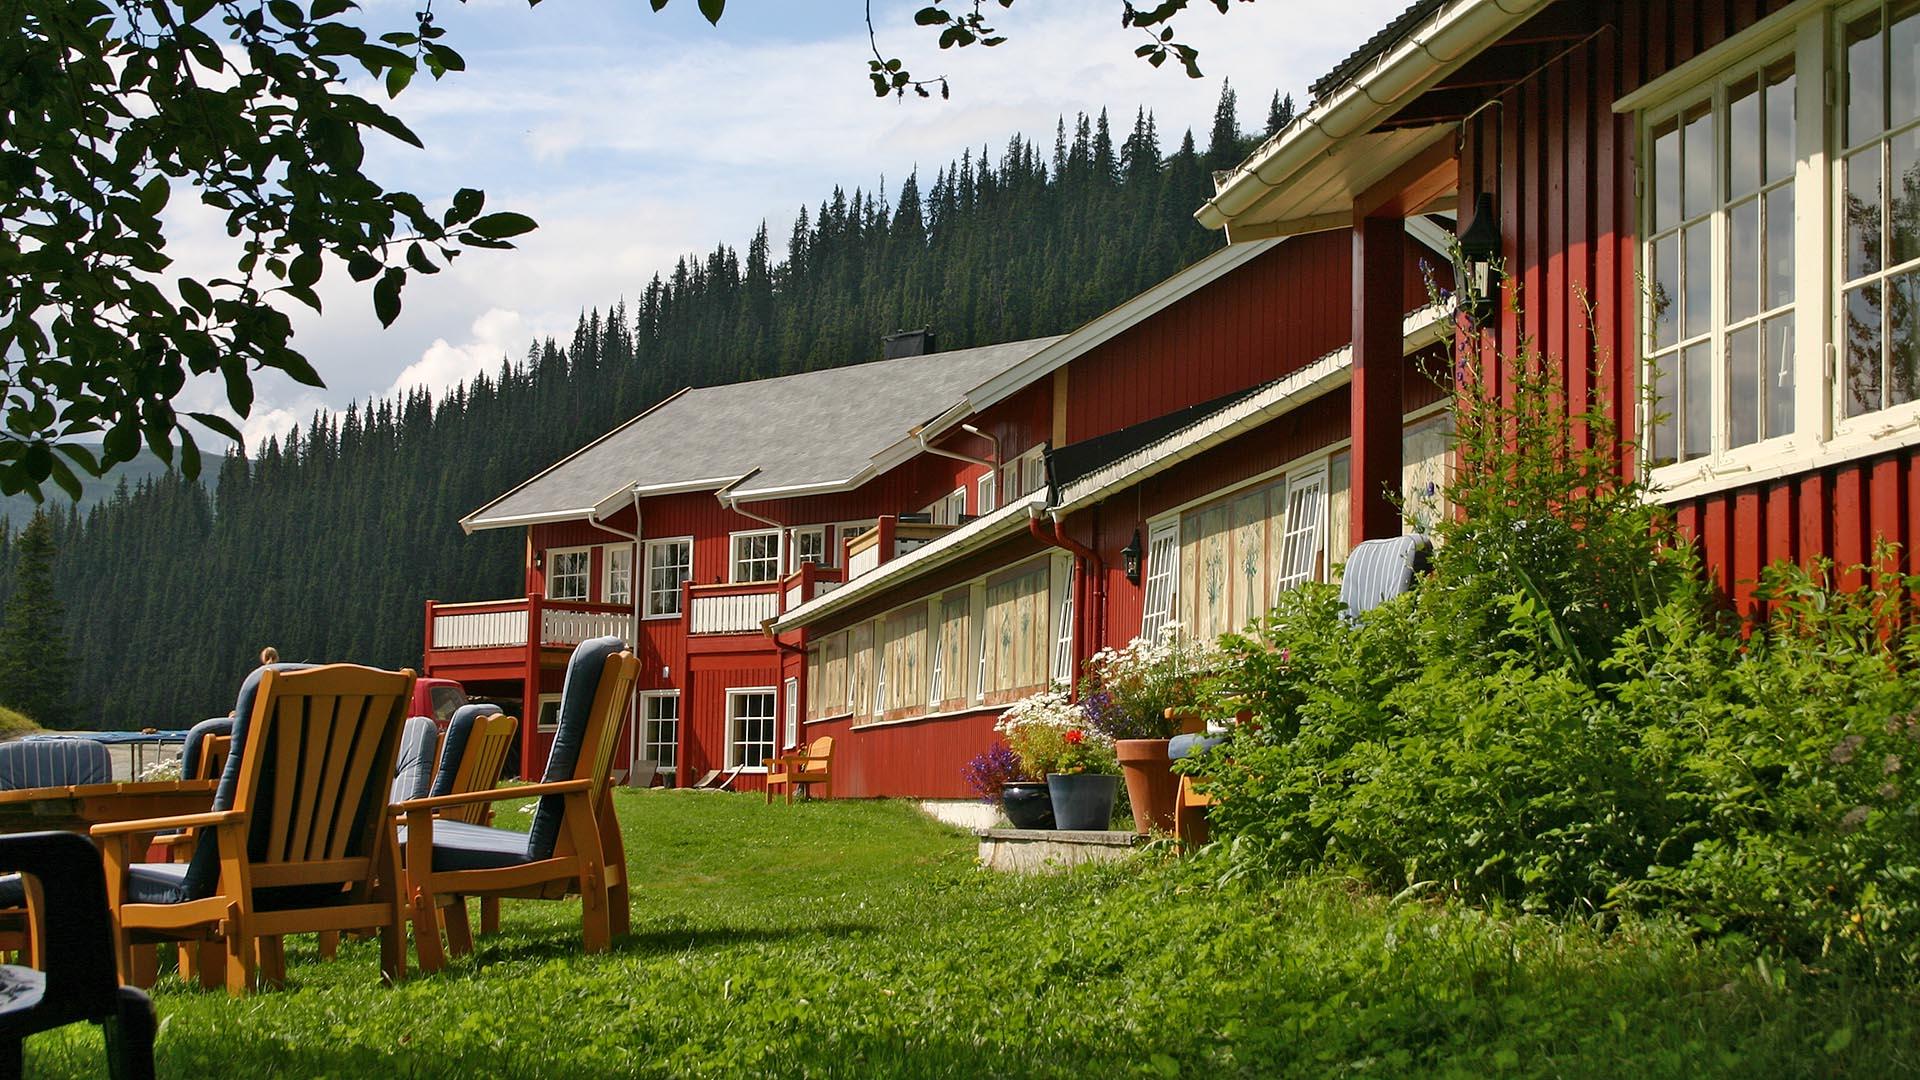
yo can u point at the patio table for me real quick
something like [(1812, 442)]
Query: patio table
[(75, 807)]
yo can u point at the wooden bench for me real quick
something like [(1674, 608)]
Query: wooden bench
[(802, 770)]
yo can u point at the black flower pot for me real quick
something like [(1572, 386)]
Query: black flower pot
[(1083, 801), (1028, 805)]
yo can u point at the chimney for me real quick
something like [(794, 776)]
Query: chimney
[(906, 343)]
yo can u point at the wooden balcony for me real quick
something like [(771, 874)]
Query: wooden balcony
[(513, 624), (731, 608), (809, 581), (889, 540)]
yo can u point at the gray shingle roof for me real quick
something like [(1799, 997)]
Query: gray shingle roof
[(815, 428)]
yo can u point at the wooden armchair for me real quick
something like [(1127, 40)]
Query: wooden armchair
[(298, 840), (478, 740), (574, 843), (802, 770)]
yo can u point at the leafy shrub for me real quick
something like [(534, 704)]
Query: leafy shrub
[(1563, 718)]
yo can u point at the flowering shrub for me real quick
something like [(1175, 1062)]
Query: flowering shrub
[(990, 770), (1048, 731), (1128, 691)]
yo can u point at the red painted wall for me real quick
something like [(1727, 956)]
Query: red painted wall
[(919, 759)]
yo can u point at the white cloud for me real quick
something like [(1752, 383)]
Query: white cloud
[(652, 140)]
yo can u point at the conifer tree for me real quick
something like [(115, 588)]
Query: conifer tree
[(34, 671)]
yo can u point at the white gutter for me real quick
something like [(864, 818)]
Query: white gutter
[(1454, 34), (920, 434), (684, 487), (471, 525), (957, 544), (1329, 373)]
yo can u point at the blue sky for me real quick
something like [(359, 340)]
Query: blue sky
[(634, 137)]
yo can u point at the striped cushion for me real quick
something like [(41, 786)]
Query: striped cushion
[(53, 761), (459, 730), (413, 765), (1379, 570)]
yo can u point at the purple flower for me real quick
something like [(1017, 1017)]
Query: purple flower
[(990, 770)]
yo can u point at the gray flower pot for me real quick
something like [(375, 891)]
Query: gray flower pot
[(1083, 801)]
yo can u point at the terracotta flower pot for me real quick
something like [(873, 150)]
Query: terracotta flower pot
[(1151, 784)]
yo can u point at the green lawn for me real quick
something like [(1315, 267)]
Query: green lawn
[(857, 938)]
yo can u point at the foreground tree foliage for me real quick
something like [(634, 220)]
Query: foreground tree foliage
[(112, 107)]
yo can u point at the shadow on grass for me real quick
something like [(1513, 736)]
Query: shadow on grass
[(649, 942)]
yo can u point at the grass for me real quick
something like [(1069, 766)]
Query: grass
[(14, 724), (857, 938)]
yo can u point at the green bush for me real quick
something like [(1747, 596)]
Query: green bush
[(14, 724), (1562, 718)]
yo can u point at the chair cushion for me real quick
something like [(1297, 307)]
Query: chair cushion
[(52, 761), (203, 873), (13, 891), (166, 883), (576, 706), (190, 753), (413, 765), (459, 730), (1379, 570), (1184, 746), (459, 846)]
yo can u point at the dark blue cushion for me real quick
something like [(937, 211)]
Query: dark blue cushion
[(197, 734), (13, 891), (413, 764), (53, 761), (203, 873), (166, 883), (1188, 745), (459, 846), (576, 704), (459, 730), (1379, 570)]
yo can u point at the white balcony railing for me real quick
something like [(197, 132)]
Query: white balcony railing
[(564, 627), (732, 613), (480, 629)]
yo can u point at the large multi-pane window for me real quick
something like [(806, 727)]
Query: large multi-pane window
[(756, 556), (1163, 579), (1780, 203), (750, 727), (810, 546), (669, 565), (660, 727), (1720, 223), (1879, 141), (568, 572)]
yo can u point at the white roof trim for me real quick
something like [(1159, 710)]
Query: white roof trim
[(470, 525), (1330, 372), (683, 487), (962, 541), (1454, 35)]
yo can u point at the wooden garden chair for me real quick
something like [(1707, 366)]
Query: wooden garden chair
[(573, 845), (803, 770), (298, 840), (471, 759)]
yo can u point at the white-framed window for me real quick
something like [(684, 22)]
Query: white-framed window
[(1063, 582), (810, 546), (548, 718), (953, 507), (756, 555), (1162, 581), (1033, 470), (1780, 202), (1877, 134), (618, 586), (659, 732), (750, 727), (793, 712), (1304, 536), (569, 571), (985, 491), (937, 654), (1719, 222), (669, 565)]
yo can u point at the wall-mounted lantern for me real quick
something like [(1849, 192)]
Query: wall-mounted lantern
[(1130, 559), (539, 560), (1478, 278)]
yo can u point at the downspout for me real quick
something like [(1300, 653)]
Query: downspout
[(920, 436), (732, 502)]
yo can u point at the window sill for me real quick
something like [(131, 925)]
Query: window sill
[(921, 717), (1790, 457), (663, 617)]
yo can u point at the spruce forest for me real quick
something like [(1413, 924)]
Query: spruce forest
[(326, 542)]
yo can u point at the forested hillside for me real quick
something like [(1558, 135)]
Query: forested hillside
[(325, 543)]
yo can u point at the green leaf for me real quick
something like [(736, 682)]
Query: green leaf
[(287, 13), (386, 295), (219, 424), (362, 266), (154, 194), (1840, 1039), (324, 9), (712, 9), (931, 16), (398, 76), (64, 478), (196, 296), (305, 268), (499, 226), (417, 258)]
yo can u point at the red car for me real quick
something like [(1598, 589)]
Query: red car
[(437, 698)]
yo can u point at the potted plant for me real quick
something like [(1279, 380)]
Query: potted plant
[(1085, 783), (1035, 729), (994, 773), (1139, 697)]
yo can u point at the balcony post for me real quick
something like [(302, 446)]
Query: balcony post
[(530, 706)]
